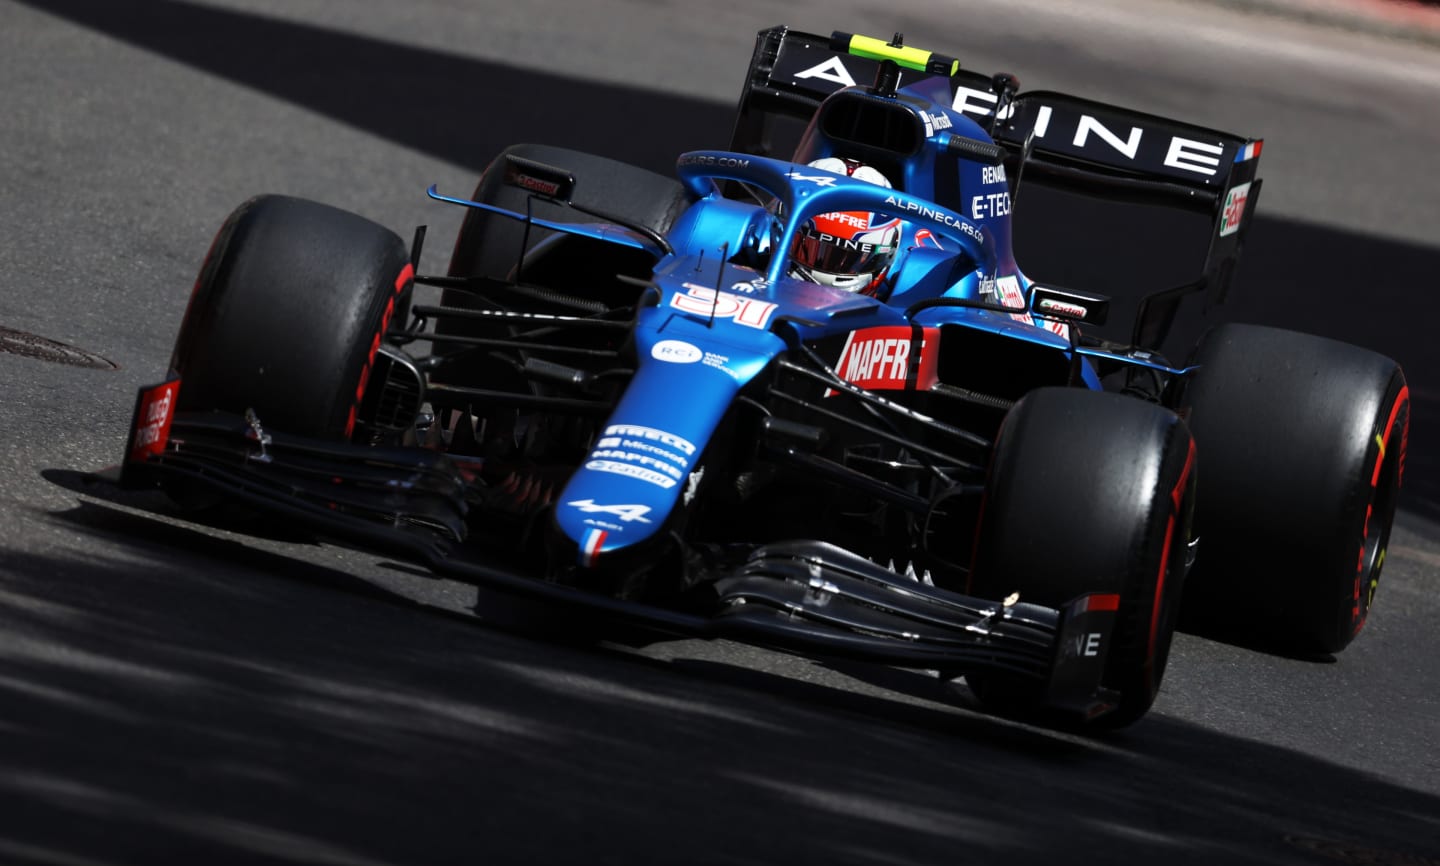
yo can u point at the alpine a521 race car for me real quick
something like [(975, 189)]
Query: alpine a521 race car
[(807, 400)]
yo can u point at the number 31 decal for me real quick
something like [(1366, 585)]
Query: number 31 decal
[(703, 301)]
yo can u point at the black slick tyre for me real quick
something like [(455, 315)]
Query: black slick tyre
[(1089, 492), (563, 274), (287, 314), (489, 245), (1303, 440)]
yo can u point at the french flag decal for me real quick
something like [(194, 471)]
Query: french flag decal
[(1249, 151), (590, 547)]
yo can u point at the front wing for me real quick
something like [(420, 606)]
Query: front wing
[(807, 597)]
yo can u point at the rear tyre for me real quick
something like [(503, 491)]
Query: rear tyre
[(288, 313), (577, 274), (489, 245), (1089, 492), (1304, 442)]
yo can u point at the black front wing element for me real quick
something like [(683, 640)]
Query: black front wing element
[(815, 597), (393, 498), (802, 596)]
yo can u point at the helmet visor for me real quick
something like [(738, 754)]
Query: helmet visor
[(838, 255)]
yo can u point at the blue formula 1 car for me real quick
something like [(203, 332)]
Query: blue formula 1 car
[(807, 402)]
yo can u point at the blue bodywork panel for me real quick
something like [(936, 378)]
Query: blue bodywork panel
[(723, 304)]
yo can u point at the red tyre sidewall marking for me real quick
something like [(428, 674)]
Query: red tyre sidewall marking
[(402, 282), (221, 233), (1358, 614), (1177, 495)]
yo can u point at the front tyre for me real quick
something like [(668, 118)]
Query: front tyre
[(1089, 492), (288, 313)]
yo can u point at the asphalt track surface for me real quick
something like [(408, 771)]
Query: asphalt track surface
[(176, 693)]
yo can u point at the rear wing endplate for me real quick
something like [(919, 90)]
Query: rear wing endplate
[(1058, 140)]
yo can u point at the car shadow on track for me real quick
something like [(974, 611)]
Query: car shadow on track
[(182, 699)]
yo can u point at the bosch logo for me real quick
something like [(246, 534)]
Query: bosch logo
[(676, 352)]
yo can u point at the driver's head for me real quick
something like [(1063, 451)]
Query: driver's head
[(849, 250)]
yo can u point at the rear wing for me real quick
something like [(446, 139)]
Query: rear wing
[(1058, 140)]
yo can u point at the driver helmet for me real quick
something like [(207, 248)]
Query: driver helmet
[(847, 250)]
